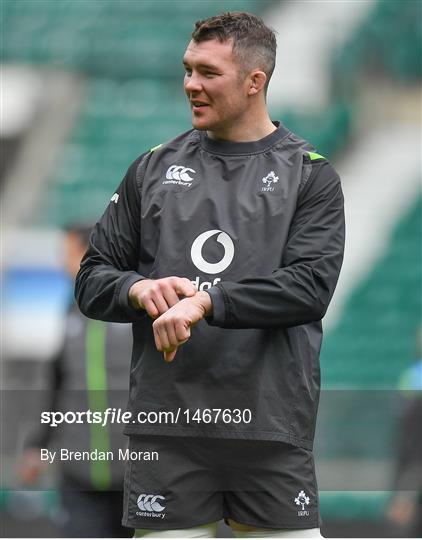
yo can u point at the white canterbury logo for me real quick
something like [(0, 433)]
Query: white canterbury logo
[(115, 198), (205, 266), (148, 503), (179, 173)]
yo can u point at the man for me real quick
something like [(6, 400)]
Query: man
[(223, 248), (405, 505), (90, 372)]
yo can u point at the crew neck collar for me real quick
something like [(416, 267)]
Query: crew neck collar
[(251, 147)]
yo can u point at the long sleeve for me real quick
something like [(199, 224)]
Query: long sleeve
[(300, 290), (108, 269)]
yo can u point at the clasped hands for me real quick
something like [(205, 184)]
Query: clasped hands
[(175, 304)]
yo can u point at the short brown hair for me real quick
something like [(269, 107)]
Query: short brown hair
[(254, 44)]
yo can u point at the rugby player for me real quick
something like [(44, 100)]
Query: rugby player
[(223, 248)]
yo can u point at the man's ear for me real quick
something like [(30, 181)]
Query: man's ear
[(257, 82)]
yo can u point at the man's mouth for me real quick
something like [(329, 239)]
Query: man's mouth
[(197, 105)]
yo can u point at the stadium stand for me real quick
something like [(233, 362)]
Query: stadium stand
[(119, 121), (120, 39), (134, 99), (363, 355), (381, 45), (374, 340)]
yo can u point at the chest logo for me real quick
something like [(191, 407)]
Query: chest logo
[(269, 181), (205, 266), (178, 174)]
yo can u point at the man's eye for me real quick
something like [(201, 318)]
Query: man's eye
[(188, 72), (210, 74)]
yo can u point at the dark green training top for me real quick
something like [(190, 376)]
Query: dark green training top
[(260, 225)]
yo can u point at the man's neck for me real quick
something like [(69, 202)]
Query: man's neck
[(254, 130)]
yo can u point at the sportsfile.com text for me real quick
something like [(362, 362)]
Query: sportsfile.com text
[(117, 416)]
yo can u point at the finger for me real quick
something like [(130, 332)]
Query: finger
[(151, 309), (170, 355), (164, 341), (157, 338), (171, 335), (160, 302), (182, 332), (171, 297), (184, 287)]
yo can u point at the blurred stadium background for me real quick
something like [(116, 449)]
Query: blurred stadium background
[(88, 85)]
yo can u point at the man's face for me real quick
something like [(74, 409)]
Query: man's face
[(214, 85)]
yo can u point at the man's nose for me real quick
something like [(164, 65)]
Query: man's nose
[(193, 83)]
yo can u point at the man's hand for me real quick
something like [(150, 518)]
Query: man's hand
[(30, 467), (173, 328), (157, 296), (402, 509)]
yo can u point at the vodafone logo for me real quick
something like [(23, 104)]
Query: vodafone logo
[(149, 503), (205, 266)]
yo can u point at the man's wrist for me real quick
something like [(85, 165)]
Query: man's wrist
[(205, 302)]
